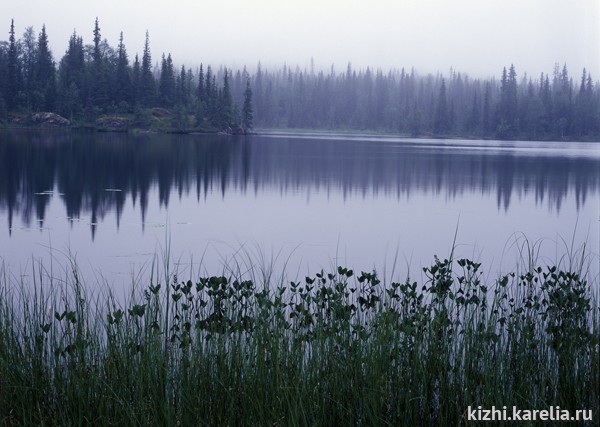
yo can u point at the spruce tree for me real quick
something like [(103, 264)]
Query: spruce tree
[(487, 119), (209, 95), (201, 90), (545, 95), (562, 102), (200, 98), (99, 77), (136, 81), (13, 81), (508, 107), (3, 73), (474, 119), (226, 99), (247, 110), (72, 78), (593, 106), (166, 85), (29, 55), (441, 124), (45, 74), (181, 88), (147, 83), (123, 89)]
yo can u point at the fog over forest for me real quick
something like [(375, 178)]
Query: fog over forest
[(471, 36)]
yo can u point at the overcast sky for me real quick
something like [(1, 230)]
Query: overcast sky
[(478, 37)]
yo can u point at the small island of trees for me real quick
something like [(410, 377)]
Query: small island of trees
[(97, 84)]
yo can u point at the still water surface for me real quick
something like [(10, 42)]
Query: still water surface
[(309, 201)]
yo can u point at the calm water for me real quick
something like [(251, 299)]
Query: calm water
[(308, 201)]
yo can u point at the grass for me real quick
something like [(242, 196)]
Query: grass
[(336, 348)]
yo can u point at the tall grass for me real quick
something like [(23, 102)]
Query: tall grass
[(336, 348)]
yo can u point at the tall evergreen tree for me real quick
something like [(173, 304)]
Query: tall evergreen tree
[(72, 78), (147, 83), (487, 119), (200, 97), (531, 112), (136, 81), (441, 124), (201, 89), (99, 74), (13, 81), (226, 101), (209, 95), (123, 88), (474, 120), (29, 54), (562, 101), (593, 106), (181, 88), (247, 110), (45, 74), (3, 73), (166, 85), (508, 107), (545, 96)]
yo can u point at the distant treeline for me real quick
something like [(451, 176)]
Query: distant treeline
[(97, 79), (552, 106)]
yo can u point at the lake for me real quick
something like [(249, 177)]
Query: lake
[(289, 202)]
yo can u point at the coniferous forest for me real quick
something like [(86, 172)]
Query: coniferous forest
[(100, 85)]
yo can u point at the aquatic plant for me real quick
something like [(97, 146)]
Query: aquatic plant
[(336, 348)]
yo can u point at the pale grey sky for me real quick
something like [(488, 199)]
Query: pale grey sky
[(478, 37)]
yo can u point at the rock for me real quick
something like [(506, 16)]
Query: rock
[(47, 119), (161, 112), (112, 123)]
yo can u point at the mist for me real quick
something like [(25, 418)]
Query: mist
[(471, 36)]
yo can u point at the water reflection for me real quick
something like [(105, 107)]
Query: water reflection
[(94, 174)]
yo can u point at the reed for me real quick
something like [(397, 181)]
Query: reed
[(336, 348)]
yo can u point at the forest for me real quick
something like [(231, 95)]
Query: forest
[(97, 84)]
